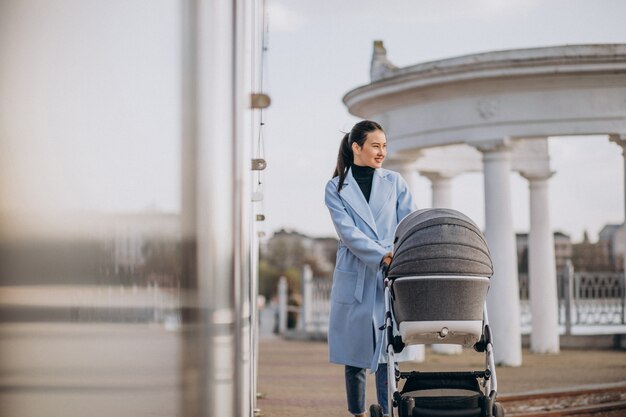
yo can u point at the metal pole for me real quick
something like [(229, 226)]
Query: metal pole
[(194, 365), (254, 319), (215, 378), (256, 41)]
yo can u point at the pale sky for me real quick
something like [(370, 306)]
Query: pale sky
[(90, 105), (318, 51)]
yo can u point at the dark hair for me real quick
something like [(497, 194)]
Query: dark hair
[(357, 135)]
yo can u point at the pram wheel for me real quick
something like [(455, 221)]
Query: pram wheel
[(376, 410), (498, 410)]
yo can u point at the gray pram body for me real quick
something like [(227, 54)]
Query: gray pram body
[(435, 292), (439, 277)]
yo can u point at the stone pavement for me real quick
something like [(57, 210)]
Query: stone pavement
[(296, 379)]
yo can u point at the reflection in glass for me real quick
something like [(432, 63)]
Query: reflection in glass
[(90, 228), (125, 215)]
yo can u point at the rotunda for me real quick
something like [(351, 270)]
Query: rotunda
[(493, 112)]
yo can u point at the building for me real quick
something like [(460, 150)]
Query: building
[(493, 113), (612, 235), (143, 245), (291, 249), (588, 256), (562, 250)]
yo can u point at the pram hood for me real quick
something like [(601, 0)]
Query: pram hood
[(439, 241)]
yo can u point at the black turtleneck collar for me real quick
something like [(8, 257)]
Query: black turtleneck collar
[(363, 176)]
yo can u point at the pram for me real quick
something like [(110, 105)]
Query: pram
[(435, 292)]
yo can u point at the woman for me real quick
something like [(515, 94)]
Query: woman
[(366, 203)]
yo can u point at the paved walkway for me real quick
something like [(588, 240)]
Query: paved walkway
[(297, 380)]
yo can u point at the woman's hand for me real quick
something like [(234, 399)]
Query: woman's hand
[(386, 259)]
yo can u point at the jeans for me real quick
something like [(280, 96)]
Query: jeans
[(355, 388)]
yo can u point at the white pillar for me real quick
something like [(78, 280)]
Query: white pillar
[(307, 298), (441, 185), (503, 296), (621, 141), (408, 172), (406, 165), (282, 305), (544, 303)]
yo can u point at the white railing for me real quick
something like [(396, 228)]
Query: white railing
[(92, 304), (313, 313), (589, 300), (585, 299), (315, 302)]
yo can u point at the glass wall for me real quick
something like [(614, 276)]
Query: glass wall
[(125, 217)]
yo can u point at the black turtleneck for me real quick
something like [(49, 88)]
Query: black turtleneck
[(363, 177)]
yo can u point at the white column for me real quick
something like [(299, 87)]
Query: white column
[(406, 165), (408, 172), (307, 299), (441, 185), (544, 303), (503, 296), (621, 141), (282, 305)]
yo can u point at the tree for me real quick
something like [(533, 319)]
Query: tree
[(268, 279), (285, 251)]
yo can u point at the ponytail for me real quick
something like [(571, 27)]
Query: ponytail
[(344, 159), (357, 135)]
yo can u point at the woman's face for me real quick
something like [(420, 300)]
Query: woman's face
[(373, 151)]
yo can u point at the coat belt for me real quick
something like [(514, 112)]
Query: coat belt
[(360, 283), (386, 242)]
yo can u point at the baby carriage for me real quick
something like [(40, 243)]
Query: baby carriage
[(435, 291)]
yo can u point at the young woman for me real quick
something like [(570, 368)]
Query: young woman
[(366, 202)]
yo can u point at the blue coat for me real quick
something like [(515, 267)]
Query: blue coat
[(366, 233)]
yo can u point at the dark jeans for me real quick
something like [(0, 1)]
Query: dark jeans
[(355, 388)]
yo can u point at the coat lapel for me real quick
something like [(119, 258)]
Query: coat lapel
[(353, 196), (382, 189)]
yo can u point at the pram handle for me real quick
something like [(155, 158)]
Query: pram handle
[(384, 269)]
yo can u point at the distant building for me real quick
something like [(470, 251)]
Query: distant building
[(291, 249), (588, 256), (324, 249), (562, 250), (612, 235), (93, 249), (143, 246), (521, 241)]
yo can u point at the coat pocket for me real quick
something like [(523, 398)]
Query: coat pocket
[(344, 285)]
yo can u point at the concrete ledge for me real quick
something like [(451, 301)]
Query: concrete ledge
[(601, 341)]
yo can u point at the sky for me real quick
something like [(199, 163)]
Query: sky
[(318, 51), (90, 105), (90, 115)]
